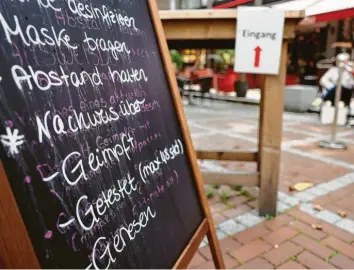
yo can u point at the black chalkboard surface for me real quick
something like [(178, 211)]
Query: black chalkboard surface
[(90, 141)]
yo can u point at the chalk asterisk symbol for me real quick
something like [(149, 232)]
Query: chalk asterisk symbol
[(12, 140)]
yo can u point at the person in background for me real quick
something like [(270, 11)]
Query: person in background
[(329, 81)]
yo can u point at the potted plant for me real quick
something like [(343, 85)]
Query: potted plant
[(241, 85), (177, 59)]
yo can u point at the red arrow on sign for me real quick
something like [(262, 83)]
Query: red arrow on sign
[(257, 56)]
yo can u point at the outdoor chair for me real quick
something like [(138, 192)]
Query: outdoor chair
[(183, 83), (205, 84)]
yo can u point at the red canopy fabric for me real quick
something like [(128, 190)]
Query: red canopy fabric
[(232, 4), (335, 15), (321, 10)]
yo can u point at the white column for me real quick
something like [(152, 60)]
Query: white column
[(173, 4), (331, 38), (210, 3)]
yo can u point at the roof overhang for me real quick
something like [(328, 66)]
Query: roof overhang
[(321, 10), (211, 28)]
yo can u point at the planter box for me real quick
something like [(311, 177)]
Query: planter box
[(299, 98)]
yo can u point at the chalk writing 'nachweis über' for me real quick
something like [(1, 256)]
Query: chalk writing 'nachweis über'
[(84, 120)]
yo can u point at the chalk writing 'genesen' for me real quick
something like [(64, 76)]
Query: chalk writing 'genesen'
[(119, 243), (32, 36)]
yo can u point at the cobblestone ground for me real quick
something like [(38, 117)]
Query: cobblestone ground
[(289, 240)]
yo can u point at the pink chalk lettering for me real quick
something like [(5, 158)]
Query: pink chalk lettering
[(9, 123), (48, 235)]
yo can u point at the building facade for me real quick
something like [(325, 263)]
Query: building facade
[(200, 4), (182, 4)]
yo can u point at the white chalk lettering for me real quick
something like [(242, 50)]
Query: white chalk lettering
[(47, 4), (106, 200), (79, 165), (128, 76), (164, 156), (83, 121), (130, 108), (108, 16), (172, 152), (45, 81), (98, 159), (35, 36), (114, 47), (119, 241)]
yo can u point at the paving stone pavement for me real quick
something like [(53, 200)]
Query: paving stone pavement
[(287, 241)]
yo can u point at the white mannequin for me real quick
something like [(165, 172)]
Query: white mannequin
[(330, 79)]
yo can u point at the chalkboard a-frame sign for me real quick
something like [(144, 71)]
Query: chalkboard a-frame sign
[(97, 166)]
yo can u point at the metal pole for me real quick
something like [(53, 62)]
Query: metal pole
[(342, 60), (336, 102)]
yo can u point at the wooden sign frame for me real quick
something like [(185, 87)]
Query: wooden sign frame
[(207, 225), (16, 250)]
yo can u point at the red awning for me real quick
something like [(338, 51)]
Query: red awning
[(315, 10), (232, 4), (321, 10), (335, 15)]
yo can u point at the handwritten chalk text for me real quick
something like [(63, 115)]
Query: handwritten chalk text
[(119, 243), (33, 36)]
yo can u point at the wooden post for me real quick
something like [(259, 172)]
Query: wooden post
[(203, 28), (270, 136)]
